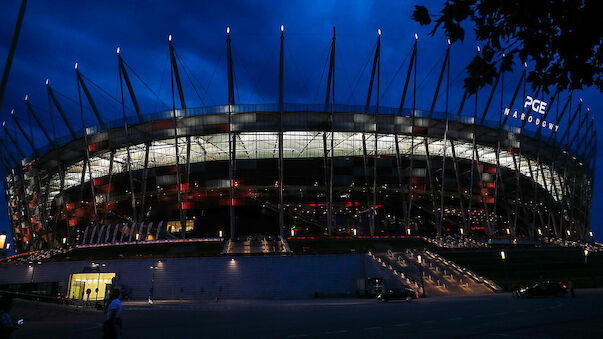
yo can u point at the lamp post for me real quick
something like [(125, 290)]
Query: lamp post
[(586, 256), (33, 269), (503, 257), (153, 269), (420, 260)]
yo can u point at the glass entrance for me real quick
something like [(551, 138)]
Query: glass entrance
[(89, 286)]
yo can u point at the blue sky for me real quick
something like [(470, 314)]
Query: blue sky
[(56, 34)]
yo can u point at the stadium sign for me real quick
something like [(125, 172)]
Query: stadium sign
[(537, 106)]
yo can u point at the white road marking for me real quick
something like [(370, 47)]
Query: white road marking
[(456, 319), (427, 322), (297, 336), (372, 328), (401, 325)]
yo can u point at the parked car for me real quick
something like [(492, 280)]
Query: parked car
[(542, 289), (405, 293)]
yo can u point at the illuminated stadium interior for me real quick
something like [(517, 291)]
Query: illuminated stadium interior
[(301, 169)]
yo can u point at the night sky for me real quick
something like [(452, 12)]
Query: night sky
[(56, 34)]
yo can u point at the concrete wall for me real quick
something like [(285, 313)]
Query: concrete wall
[(228, 277)]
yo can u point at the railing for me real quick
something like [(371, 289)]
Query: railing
[(464, 271), (54, 299), (150, 242)]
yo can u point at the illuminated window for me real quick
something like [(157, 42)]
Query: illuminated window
[(174, 226)]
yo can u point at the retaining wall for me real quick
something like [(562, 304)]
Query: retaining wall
[(286, 277)]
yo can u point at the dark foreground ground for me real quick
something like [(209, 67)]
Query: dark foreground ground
[(491, 316)]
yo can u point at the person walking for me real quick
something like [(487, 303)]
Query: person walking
[(112, 326), (571, 288), (7, 325)]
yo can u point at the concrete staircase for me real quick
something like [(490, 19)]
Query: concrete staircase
[(439, 276), (392, 277)]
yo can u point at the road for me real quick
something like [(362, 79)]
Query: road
[(492, 316)]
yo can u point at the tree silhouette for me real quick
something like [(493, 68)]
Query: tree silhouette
[(560, 39)]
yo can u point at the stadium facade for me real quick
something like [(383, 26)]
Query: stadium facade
[(297, 169)]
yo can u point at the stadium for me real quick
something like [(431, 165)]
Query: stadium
[(303, 170)]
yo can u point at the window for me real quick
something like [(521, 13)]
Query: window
[(174, 226)]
